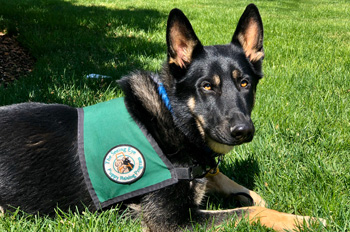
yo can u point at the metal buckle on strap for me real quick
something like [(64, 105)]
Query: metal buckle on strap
[(214, 171)]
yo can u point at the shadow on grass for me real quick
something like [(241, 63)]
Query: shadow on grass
[(243, 172), (70, 40)]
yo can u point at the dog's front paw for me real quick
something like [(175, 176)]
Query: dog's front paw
[(280, 221), (249, 199), (222, 184), (310, 220), (257, 199)]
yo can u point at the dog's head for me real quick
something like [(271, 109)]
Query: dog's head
[(213, 87)]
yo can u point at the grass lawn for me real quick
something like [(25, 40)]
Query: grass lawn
[(299, 160)]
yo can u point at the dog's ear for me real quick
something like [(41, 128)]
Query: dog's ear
[(181, 40), (250, 34)]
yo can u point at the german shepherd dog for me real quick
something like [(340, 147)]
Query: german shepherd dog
[(211, 92)]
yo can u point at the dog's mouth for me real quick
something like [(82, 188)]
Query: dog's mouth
[(220, 143), (218, 147)]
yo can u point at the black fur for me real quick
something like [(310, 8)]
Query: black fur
[(39, 166), (38, 158)]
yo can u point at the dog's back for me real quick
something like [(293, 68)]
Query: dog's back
[(38, 157)]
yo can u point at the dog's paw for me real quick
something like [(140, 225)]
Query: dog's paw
[(310, 220), (279, 221), (257, 199), (2, 211), (248, 199)]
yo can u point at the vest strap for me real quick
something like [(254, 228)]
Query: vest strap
[(190, 173)]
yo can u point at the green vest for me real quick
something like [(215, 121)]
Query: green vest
[(119, 159)]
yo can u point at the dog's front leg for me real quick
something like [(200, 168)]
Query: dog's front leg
[(267, 217), (224, 185)]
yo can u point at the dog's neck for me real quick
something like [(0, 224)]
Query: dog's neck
[(165, 98)]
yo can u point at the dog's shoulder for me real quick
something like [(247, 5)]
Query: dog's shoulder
[(148, 109), (141, 86)]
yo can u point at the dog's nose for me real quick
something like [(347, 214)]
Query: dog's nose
[(242, 133)]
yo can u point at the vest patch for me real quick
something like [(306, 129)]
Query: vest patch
[(119, 159), (124, 164)]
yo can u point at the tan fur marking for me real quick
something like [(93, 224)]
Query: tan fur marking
[(267, 217), (172, 60), (236, 74), (216, 80), (249, 41), (200, 124), (2, 211), (191, 104), (280, 221), (256, 56), (251, 36), (200, 190), (224, 185), (218, 147), (182, 46)]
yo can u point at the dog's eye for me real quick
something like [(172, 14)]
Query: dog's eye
[(244, 83), (207, 86)]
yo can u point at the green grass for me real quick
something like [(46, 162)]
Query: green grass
[(299, 159)]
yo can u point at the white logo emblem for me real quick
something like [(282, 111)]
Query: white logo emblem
[(124, 164)]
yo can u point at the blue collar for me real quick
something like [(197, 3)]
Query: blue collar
[(162, 92), (164, 95)]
